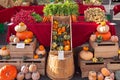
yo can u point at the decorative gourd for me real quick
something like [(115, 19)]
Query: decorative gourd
[(108, 78), (92, 75), (20, 27), (36, 56), (20, 76), (114, 38), (105, 72), (8, 72), (4, 51), (16, 40), (41, 50), (27, 41), (32, 67), (28, 76), (105, 36), (24, 69), (85, 54), (100, 76), (24, 35), (36, 75), (103, 28), (67, 48), (11, 38), (93, 37)]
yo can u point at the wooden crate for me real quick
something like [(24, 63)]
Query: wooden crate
[(28, 47), (105, 49), (87, 66)]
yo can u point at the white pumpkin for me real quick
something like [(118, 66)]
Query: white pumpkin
[(16, 40), (114, 38), (36, 75), (21, 27), (93, 37), (11, 38), (20, 76), (28, 76), (108, 78), (32, 67), (24, 69), (4, 51), (103, 29)]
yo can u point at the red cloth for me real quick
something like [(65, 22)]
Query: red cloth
[(81, 32), (116, 9)]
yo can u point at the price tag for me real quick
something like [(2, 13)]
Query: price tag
[(61, 55), (20, 45)]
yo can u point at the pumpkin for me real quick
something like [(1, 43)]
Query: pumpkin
[(20, 76), (105, 36), (11, 38), (100, 76), (24, 35), (93, 37), (8, 72), (24, 69), (36, 75), (85, 54), (20, 27), (16, 40), (32, 67), (67, 48), (103, 28), (105, 72), (114, 38), (4, 51), (92, 75), (36, 56), (28, 76), (108, 78)]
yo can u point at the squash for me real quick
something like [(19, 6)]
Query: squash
[(67, 48), (24, 35), (36, 75), (8, 72), (93, 37), (24, 69), (16, 40), (92, 75), (108, 78), (32, 67), (100, 76), (105, 36), (28, 76), (20, 27), (27, 41), (4, 51), (103, 28), (105, 71), (114, 38), (35, 56), (41, 50), (11, 38), (20, 76), (85, 54)]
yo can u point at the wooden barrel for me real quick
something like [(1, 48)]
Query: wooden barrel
[(60, 69)]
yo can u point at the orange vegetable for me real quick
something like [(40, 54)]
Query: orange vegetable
[(3, 48), (105, 72), (85, 48), (36, 56), (67, 48), (41, 48)]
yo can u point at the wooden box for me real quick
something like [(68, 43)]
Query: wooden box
[(63, 21), (105, 49), (87, 66), (28, 47)]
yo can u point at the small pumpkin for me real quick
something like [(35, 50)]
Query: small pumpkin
[(100, 76), (11, 38), (67, 48), (92, 75), (8, 72), (20, 27), (24, 69), (36, 56), (36, 75), (105, 71), (108, 78), (85, 54), (93, 37), (32, 67), (24, 35), (16, 40), (103, 28), (114, 38), (4, 51), (20, 76), (41, 50), (28, 76)]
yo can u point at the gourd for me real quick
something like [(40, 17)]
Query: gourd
[(28, 76), (105, 36), (108, 78), (24, 69), (16, 40), (105, 72), (67, 48), (20, 76), (11, 38), (35, 56), (103, 28), (32, 67), (100, 76), (41, 50), (114, 38), (8, 72), (93, 37), (27, 41), (36, 75), (20, 27), (4, 51), (24, 35), (85, 54), (92, 75)]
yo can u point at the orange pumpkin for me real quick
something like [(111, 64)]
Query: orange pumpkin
[(105, 36), (92, 75), (105, 72), (8, 72), (35, 56), (24, 35), (100, 76), (67, 48)]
